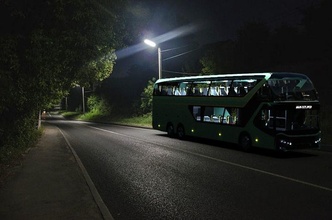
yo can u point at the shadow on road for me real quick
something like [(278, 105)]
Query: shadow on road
[(258, 151)]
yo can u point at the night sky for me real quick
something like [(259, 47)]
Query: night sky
[(222, 18), (209, 20)]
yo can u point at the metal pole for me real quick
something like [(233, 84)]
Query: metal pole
[(66, 103), (159, 63), (83, 102)]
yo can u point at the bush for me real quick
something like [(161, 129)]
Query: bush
[(98, 108), (22, 135), (146, 97)]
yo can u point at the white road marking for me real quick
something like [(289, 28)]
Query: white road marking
[(99, 201), (225, 162)]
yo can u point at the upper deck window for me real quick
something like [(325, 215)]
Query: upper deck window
[(292, 88), (222, 87)]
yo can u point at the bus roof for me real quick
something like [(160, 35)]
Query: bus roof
[(265, 75)]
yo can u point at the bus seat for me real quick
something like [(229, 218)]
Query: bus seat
[(169, 91), (222, 91), (213, 91), (242, 91), (196, 91), (207, 118), (205, 91), (215, 119), (231, 91), (183, 91)]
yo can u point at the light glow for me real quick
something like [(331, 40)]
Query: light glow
[(150, 43)]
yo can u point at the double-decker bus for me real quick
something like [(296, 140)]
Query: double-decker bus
[(273, 110)]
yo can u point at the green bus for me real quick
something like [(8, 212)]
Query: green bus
[(273, 110)]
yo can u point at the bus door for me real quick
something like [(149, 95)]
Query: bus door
[(277, 119)]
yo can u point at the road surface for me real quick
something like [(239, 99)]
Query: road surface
[(143, 174)]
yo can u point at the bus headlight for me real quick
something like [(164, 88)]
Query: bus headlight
[(284, 142)]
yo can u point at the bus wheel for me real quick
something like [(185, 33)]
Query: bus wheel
[(170, 130), (245, 142), (180, 132)]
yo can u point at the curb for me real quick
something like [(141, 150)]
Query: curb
[(100, 203)]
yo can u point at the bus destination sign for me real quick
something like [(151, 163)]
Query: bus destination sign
[(304, 107)]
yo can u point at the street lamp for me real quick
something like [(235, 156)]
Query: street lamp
[(153, 44)]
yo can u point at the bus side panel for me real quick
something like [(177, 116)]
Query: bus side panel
[(164, 112), (177, 112)]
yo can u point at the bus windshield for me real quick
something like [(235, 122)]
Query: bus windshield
[(292, 88)]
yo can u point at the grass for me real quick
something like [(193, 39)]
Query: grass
[(70, 115), (141, 120), (146, 121)]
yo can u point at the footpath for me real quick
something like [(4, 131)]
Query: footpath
[(49, 184)]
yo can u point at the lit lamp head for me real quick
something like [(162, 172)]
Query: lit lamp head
[(150, 43)]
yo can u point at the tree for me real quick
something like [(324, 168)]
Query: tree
[(47, 46), (146, 97), (218, 58)]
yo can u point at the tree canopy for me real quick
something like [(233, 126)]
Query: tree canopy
[(47, 46), (259, 48)]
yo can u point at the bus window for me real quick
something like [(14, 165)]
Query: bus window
[(215, 114), (217, 88), (200, 88), (167, 89), (289, 119), (264, 93), (232, 116), (196, 112), (243, 86), (214, 91), (292, 88), (183, 87), (277, 119), (209, 114), (231, 91), (179, 89), (157, 90), (164, 89), (223, 91)]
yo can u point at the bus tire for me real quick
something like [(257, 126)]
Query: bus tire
[(180, 131), (245, 142), (170, 130)]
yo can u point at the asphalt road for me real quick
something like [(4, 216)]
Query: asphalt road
[(143, 174)]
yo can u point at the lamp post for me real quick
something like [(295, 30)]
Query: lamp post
[(153, 44), (83, 100)]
